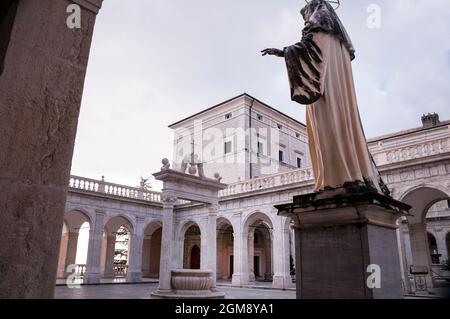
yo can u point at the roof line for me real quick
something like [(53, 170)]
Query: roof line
[(406, 132), (232, 99)]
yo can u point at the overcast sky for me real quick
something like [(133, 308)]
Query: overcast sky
[(154, 62)]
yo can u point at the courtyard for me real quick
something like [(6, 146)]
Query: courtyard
[(142, 291)]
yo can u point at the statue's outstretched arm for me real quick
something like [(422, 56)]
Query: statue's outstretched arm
[(272, 51)]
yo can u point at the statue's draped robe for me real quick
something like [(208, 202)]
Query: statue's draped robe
[(320, 75)]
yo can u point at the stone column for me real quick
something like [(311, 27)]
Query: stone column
[(441, 245), (71, 252), (281, 266), (403, 261), (420, 249), (167, 243), (146, 253), (135, 261), (240, 253), (109, 256), (251, 255), (41, 84), (93, 273), (62, 255), (221, 273), (209, 242)]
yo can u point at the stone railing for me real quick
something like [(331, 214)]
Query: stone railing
[(80, 270), (414, 151), (270, 181), (102, 187), (120, 270)]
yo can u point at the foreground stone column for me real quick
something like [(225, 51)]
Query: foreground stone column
[(41, 84), (167, 244), (109, 256), (240, 274), (420, 250), (251, 255), (62, 255), (209, 244), (71, 252), (341, 235), (135, 263), (282, 277), (93, 273)]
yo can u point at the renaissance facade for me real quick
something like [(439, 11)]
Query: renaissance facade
[(262, 155)]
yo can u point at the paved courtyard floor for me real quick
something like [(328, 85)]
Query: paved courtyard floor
[(137, 291)]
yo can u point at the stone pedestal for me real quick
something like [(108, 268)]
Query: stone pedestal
[(342, 236)]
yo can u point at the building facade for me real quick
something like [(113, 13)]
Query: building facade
[(262, 155)]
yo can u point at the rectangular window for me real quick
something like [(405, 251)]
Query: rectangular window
[(297, 135), (280, 126), (259, 117), (281, 156), (260, 148), (228, 116), (299, 162), (8, 10), (227, 147), (448, 203)]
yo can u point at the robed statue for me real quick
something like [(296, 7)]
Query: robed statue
[(320, 75)]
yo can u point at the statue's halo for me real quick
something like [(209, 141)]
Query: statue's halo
[(334, 3)]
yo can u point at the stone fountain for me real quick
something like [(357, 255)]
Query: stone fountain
[(190, 284)]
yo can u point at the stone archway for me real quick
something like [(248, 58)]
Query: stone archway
[(225, 249), (191, 248), (115, 253), (259, 230), (421, 199), (151, 252), (74, 223)]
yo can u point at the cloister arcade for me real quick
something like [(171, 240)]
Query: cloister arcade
[(252, 243)]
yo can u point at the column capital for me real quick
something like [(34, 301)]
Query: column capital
[(169, 199), (214, 208)]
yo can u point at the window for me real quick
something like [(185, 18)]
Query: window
[(228, 116), (297, 135), (280, 126), (299, 162), (259, 117), (227, 147), (448, 203), (281, 156), (260, 148), (8, 10)]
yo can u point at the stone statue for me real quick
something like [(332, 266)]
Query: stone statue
[(320, 76)]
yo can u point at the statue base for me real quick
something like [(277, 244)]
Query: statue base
[(346, 243)]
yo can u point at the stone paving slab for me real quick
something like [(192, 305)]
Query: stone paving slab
[(138, 291)]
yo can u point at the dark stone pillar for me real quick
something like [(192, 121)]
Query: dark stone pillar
[(41, 85), (339, 234)]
